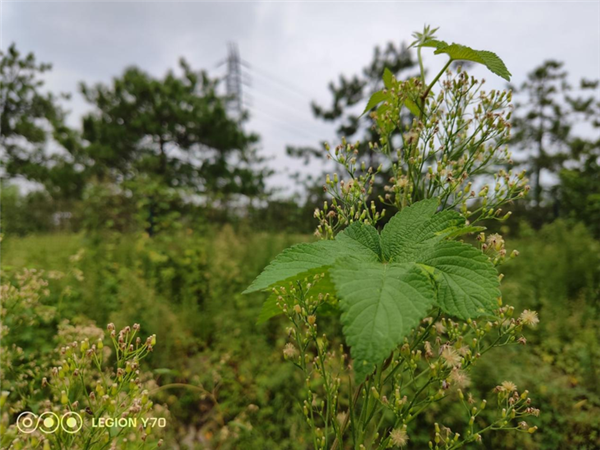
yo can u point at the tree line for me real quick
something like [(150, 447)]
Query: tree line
[(159, 152)]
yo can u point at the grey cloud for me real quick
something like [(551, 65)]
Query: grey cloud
[(306, 44)]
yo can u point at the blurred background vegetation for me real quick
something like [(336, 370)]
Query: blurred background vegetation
[(157, 211)]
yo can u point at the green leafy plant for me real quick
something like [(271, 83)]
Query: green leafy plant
[(80, 379), (387, 283), (410, 298)]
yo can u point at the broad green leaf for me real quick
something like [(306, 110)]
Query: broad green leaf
[(467, 281), (269, 309), (380, 305), (365, 235), (488, 59), (294, 261), (458, 52), (303, 258), (416, 228), (388, 78), (386, 283), (375, 99)]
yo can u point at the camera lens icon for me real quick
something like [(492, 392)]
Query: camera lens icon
[(27, 422), (71, 422), (48, 422)]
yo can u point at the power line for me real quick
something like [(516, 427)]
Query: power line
[(234, 80), (274, 79), (280, 104), (290, 127)]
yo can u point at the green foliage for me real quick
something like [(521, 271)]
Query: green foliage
[(182, 112), (73, 379), (382, 281), (381, 303), (23, 214), (386, 284), (549, 118), (184, 287), (154, 142), (419, 309), (458, 52), (579, 191), (557, 271), (29, 121)]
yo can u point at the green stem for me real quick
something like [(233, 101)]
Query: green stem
[(437, 77), (421, 65), (337, 441)]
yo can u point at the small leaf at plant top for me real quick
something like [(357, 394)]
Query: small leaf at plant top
[(412, 107), (489, 59), (388, 78), (458, 52), (434, 43), (375, 99), (380, 305)]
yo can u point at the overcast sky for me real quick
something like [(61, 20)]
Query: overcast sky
[(304, 44)]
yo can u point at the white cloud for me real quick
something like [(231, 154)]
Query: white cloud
[(305, 44)]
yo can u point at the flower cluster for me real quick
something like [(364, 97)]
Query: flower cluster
[(23, 307), (349, 197), (78, 377), (431, 365), (454, 150)]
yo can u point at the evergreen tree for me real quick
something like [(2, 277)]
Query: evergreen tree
[(31, 121), (546, 115), (175, 130), (579, 189), (349, 95)]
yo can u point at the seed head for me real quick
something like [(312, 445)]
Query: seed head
[(451, 357), (399, 437), (289, 351), (459, 378), (529, 318), (508, 386)]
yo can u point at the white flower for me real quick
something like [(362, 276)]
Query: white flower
[(399, 437), (529, 318)]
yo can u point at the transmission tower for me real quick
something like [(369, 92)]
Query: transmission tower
[(233, 82)]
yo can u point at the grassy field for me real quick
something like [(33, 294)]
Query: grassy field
[(223, 378)]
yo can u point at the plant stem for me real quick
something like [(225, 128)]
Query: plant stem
[(437, 77), (336, 443)]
